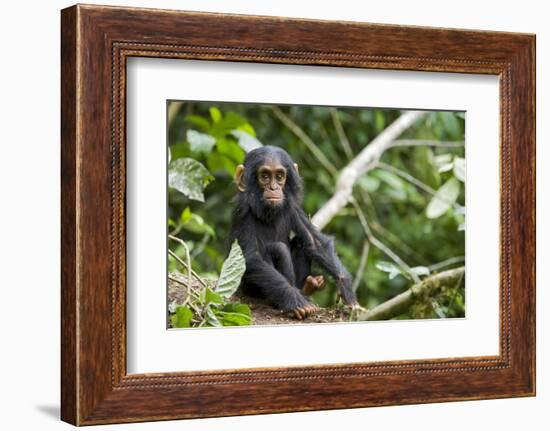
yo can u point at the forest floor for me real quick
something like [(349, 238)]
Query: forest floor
[(262, 312)]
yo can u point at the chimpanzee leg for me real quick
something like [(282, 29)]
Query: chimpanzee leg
[(302, 263), (279, 254)]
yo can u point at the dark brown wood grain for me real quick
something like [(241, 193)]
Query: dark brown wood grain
[(95, 42)]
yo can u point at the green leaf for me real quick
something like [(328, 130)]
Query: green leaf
[(209, 296), (200, 122), (237, 307), (200, 143), (220, 162), (459, 169), (235, 319), (247, 127), (195, 223), (231, 149), (189, 177), (392, 270), (444, 198), (246, 140), (182, 317), (232, 272), (368, 183), (186, 215), (215, 114)]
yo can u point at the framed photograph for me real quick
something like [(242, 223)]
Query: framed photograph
[(264, 215)]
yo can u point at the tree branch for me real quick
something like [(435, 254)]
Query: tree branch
[(361, 164), (399, 304)]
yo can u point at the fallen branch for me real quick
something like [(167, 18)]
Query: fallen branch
[(361, 164), (399, 304)]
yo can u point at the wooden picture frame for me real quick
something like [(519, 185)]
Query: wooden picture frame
[(95, 43)]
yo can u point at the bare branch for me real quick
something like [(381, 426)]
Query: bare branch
[(341, 134), (362, 265), (426, 143), (399, 304), (361, 164), (184, 264), (379, 244)]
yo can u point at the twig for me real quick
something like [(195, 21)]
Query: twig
[(379, 245), (362, 265), (341, 133), (413, 181), (426, 143), (401, 303), (445, 263), (175, 256), (306, 140), (361, 164)]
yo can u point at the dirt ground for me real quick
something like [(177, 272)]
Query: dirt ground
[(262, 312)]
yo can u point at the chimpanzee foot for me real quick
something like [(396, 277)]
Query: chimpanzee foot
[(305, 311), (312, 284)]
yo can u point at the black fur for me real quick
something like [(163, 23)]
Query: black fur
[(277, 266)]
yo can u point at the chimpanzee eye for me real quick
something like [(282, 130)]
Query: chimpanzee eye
[(265, 176), (279, 176)]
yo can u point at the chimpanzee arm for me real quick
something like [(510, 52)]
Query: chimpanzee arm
[(320, 248)]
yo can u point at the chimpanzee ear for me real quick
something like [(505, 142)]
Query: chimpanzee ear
[(296, 167), (239, 178)]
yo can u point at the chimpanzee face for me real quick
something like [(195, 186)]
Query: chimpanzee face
[(271, 180)]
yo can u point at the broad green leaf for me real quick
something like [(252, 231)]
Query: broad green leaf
[(246, 140), (215, 114), (459, 169), (200, 143), (182, 318), (444, 198), (189, 177), (232, 272), (235, 319)]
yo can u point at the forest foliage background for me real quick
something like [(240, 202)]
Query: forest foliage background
[(408, 221)]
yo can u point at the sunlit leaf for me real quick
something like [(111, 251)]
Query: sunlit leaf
[(189, 177), (232, 272), (200, 143), (392, 270), (459, 169), (215, 114), (246, 141), (444, 199)]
